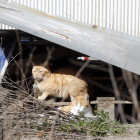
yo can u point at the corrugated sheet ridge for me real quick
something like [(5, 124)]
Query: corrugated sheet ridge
[(120, 15)]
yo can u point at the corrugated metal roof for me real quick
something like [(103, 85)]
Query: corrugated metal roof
[(120, 15), (110, 46)]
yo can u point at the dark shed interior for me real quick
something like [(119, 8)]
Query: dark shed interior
[(36, 49)]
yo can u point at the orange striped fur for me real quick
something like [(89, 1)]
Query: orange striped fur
[(57, 85), (79, 104)]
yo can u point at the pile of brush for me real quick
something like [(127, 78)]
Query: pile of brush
[(23, 115)]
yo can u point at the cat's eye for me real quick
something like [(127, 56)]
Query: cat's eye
[(40, 71), (34, 71)]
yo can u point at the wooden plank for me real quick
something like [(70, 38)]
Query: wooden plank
[(105, 98), (110, 102), (92, 102)]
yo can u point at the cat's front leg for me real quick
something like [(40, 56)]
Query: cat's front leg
[(43, 96), (74, 112), (35, 86), (90, 116)]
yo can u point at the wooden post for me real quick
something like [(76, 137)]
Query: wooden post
[(107, 107)]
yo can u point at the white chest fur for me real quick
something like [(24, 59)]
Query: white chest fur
[(87, 112)]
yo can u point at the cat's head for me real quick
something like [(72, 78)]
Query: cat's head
[(80, 103), (40, 72)]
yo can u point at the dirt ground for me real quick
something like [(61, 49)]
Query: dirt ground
[(122, 138), (132, 134), (103, 138)]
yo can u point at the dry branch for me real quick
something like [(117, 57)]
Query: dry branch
[(20, 50)]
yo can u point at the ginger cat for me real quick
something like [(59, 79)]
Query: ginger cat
[(57, 85), (79, 105), (67, 71)]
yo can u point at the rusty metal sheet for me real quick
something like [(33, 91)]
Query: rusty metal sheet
[(113, 47)]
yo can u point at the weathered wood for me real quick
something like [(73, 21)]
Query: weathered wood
[(110, 102), (106, 107), (92, 102)]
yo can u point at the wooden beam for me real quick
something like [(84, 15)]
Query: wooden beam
[(91, 102), (110, 102)]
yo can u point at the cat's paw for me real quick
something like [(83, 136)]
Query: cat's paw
[(91, 116), (40, 98), (35, 86), (51, 100), (59, 108)]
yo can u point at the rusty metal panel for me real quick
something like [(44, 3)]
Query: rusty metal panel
[(113, 47), (119, 15)]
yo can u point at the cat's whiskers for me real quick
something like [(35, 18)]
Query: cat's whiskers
[(36, 76), (36, 82)]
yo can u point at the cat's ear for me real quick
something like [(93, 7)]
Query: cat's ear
[(46, 64), (72, 98), (86, 98), (33, 64)]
